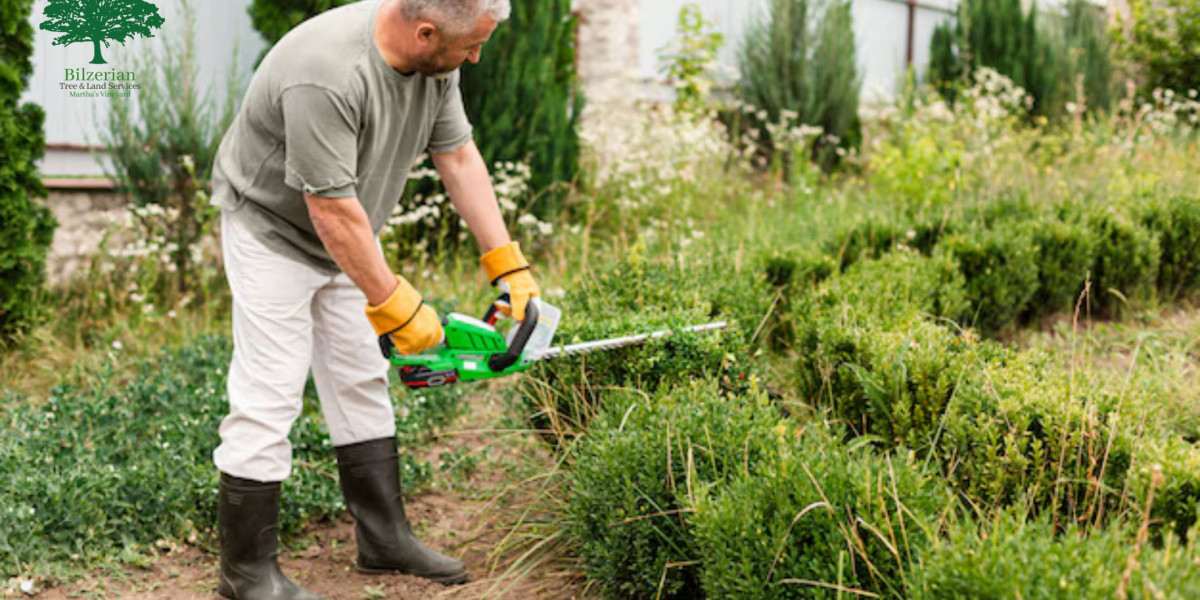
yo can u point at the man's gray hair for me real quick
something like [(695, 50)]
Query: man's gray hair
[(456, 17)]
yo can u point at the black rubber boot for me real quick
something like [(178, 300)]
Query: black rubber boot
[(248, 525), (370, 476)]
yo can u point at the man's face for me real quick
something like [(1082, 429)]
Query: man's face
[(446, 54)]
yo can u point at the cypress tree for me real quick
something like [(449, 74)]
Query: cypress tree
[(522, 96), (800, 57), (26, 227), (998, 34)]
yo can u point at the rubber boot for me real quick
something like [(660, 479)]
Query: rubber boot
[(248, 526), (370, 476)]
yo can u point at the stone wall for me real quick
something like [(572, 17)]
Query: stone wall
[(608, 54), (84, 216)]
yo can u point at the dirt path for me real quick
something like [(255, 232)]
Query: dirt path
[(467, 514)]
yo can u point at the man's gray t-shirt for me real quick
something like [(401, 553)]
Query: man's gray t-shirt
[(325, 114)]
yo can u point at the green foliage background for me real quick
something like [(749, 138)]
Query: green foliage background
[(26, 227)]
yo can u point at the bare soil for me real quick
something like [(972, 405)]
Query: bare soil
[(465, 515)]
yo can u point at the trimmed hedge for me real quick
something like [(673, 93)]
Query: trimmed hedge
[(1175, 222), (821, 521), (637, 469), (1012, 558), (635, 297), (1127, 258), (1001, 272)]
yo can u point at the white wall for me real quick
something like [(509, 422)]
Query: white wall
[(72, 121)]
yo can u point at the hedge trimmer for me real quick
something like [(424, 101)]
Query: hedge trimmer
[(474, 350)]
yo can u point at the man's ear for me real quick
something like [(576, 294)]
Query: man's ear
[(426, 32)]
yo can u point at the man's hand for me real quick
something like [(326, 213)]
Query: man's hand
[(508, 270), (413, 326)]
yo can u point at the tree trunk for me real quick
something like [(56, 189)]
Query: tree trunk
[(97, 57)]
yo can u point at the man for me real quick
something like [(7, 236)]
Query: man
[(310, 170)]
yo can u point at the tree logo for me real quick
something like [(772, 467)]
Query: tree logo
[(100, 21)]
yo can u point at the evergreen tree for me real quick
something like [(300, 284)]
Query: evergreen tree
[(945, 66), (522, 96), (998, 34), (1091, 52), (26, 227), (100, 21), (800, 57)]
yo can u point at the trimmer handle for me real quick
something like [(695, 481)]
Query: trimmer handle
[(500, 362)]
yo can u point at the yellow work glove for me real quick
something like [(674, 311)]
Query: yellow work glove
[(508, 270), (413, 326)]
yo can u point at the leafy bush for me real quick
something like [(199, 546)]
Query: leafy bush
[(1127, 258), (637, 471), (1065, 255), (636, 297), (91, 472), (800, 58), (26, 227), (820, 521), (865, 349), (1159, 38), (1001, 273), (901, 382), (1175, 222), (1009, 557), (1171, 467), (689, 57), (876, 235), (1020, 431)]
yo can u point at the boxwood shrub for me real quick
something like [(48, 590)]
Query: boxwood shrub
[(1175, 222), (1127, 258), (1001, 272), (1066, 252), (634, 297), (822, 521), (1010, 557), (636, 469)]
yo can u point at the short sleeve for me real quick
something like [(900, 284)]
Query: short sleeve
[(321, 142), (451, 129)]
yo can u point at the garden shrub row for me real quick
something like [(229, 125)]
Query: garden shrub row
[(685, 487), (1022, 263), (639, 465), (870, 322), (693, 492), (637, 297), (1005, 426), (93, 474), (1010, 557)]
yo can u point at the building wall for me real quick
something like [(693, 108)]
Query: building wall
[(608, 52)]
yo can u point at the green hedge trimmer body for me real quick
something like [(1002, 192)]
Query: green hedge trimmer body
[(474, 350)]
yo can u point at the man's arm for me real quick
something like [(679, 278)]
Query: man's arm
[(470, 188), (343, 227)]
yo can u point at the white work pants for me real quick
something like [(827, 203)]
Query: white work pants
[(286, 317)]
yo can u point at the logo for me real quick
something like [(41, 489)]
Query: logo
[(100, 22)]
